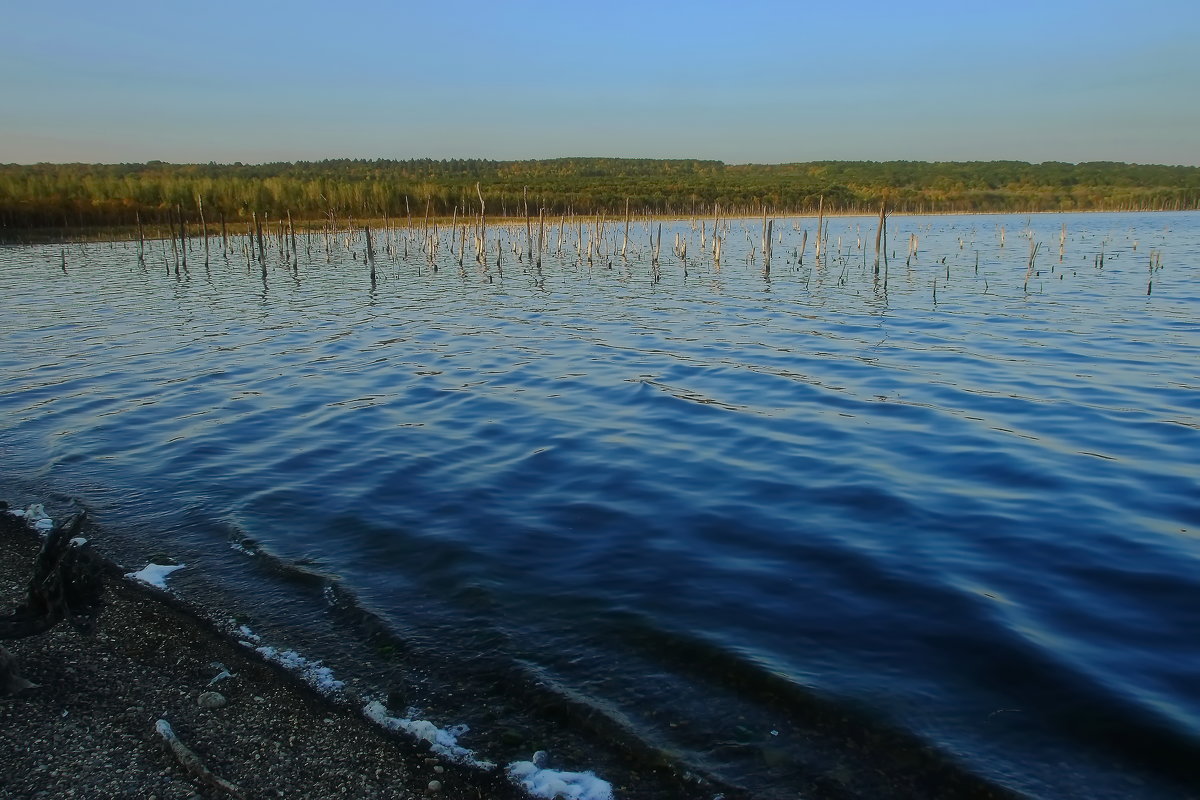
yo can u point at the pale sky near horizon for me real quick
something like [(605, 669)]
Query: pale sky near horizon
[(763, 82)]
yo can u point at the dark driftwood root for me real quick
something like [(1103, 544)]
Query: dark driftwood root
[(67, 583)]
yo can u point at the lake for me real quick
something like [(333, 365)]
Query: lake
[(742, 529)]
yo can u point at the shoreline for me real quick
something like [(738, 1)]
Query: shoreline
[(599, 761), (92, 724), (88, 728)]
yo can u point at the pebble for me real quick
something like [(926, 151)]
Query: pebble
[(435, 786), (211, 700)]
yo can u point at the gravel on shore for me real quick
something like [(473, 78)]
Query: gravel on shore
[(90, 729)]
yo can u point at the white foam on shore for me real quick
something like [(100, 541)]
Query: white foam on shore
[(35, 516), (314, 673), (154, 574), (443, 741), (552, 784), (245, 631), (549, 784)]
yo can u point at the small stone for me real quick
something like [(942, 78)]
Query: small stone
[(439, 769), (435, 786), (211, 700)]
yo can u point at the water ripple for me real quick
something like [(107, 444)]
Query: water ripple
[(803, 500)]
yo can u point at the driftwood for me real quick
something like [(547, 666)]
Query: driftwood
[(193, 763), (67, 584)]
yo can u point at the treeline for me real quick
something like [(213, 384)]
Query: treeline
[(71, 196)]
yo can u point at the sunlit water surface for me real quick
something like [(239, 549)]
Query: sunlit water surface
[(719, 505)]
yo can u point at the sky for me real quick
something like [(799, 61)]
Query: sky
[(755, 82)]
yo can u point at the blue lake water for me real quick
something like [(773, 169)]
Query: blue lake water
[(800, 529)]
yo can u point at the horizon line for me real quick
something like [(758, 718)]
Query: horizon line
[(587, 157)]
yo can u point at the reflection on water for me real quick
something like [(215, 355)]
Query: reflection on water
[(786, 521)]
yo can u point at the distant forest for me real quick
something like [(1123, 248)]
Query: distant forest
[(77, 196)]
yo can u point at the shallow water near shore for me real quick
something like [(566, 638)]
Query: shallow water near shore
[(782, 524)]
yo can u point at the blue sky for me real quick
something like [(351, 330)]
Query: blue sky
[(760, 82)]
